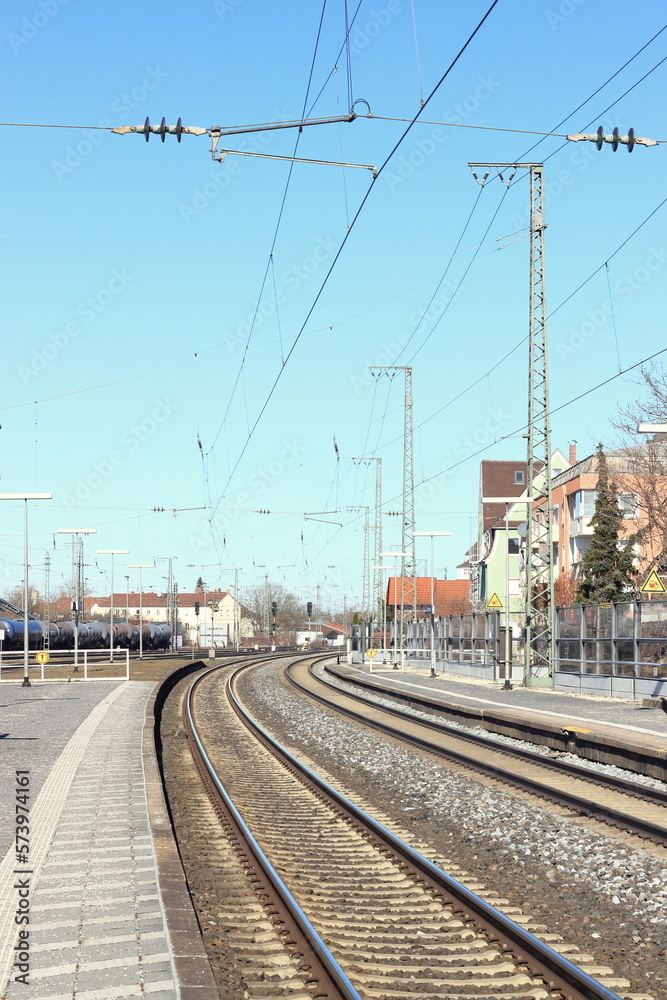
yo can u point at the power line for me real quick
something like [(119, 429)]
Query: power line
[(350, 229), (549, 316), (518, 430)]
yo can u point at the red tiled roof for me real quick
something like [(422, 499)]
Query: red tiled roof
[(151, 600), (451, 597)]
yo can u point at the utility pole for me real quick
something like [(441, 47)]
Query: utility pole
[(237, 606), (539, 603), (112, 634), (365, 599), (409, 563), (377, 591), (78, 605), (47, 600), (172, 612)]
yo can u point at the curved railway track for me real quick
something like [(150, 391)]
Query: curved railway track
[(394, 923), (633, 807)]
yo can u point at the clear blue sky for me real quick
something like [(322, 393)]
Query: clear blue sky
[(132, 270)]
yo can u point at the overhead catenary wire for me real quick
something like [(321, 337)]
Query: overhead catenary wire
[(613, 315), (419, 69), (519, 430), (513, 349), (523, 340), (352, 224), (453, 296), (275, 235)]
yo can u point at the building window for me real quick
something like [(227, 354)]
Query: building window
[(513, 546), (628, 504), (582, 503), (519, 477), (589, 498)]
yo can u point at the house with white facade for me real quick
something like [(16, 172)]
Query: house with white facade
[(205, 618)]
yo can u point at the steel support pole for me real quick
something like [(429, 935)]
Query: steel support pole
[(111, 635), (409, 563), (26, 636), (539, 646), (539, 562)]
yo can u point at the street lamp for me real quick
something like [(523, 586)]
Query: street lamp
[(384, 616), (402, 556), (141, 566), (431, 534), (25, 497), (77, 561), (112, 553)]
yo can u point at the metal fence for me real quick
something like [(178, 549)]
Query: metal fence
[(459, 638), (624, 639)]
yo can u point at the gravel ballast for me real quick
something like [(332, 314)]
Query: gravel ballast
[(607, 896)]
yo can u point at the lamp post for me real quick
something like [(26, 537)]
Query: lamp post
[(26, 644), (431, 535), (112, 553), (402, 556), (141, 566), (510, 502), (384, 616), (77, 558), (127, 597)]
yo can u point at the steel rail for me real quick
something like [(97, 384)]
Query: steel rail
[(316, 958), (557, 971), (633, 824), (577, 770)]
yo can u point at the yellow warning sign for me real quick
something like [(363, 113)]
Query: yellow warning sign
[(653, 584), (371, 653), (494, 602), (42, 656)]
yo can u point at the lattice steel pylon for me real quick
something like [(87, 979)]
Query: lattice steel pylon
[(408, 581), (365, 598), (539, 601), (378, 582)]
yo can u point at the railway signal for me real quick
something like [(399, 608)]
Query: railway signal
[(274, 607)]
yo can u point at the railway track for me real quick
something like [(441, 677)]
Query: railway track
[(394, 923), (628, 805)]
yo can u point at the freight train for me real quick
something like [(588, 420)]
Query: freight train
[(91, 635)]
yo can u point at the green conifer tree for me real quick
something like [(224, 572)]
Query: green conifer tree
[(607, 573)]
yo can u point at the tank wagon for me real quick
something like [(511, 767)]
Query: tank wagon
[(91, 635)]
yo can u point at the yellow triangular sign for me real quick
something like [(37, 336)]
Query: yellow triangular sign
[(653, 584), (495, 602)]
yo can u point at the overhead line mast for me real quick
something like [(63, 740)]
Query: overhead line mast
[(378, 583), (409, 573), (539, 598)]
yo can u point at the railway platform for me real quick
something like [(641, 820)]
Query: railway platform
[(93, 902), (624, 733)]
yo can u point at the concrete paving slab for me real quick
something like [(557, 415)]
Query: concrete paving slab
[(92, 876)]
